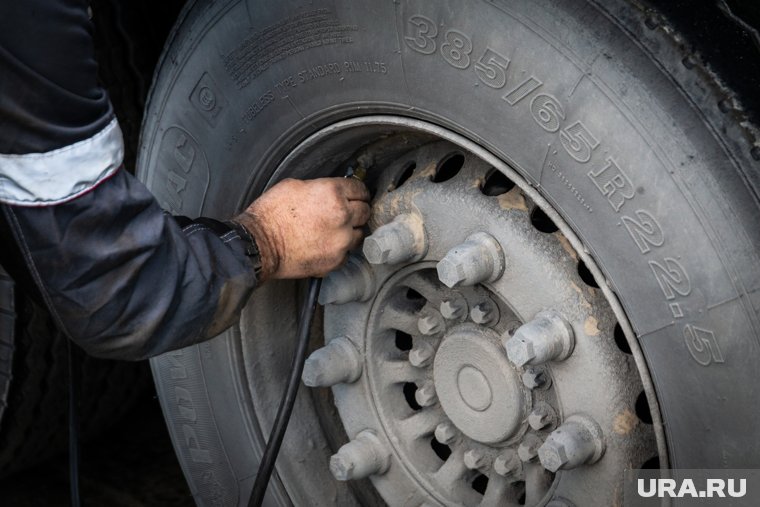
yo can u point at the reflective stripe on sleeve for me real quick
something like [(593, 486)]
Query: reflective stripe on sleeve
[(44, 179)]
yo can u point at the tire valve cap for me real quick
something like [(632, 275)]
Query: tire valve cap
[(579, 441), (352, 282), (335, 363), (548, 337), (479, 259), (361, 457), (402, 240)]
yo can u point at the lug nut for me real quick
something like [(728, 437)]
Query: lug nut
[(541, 416), (508, 464), (445, 433), (352, 282), (479, 259), (528, 448), (535, 378), (360, 458), (335, 363), (548, 337), (425, 395), (475, 459), (422, 354), (401, 240), (430, 322), (454, 308), (577, 442), (485, 313)]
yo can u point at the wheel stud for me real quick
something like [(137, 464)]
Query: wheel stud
[(421, 355), (577, 442), (353, 282), (548, 337), (479, 259), (335, 363), (475, 459), (508, 464), (401, 240), (445, 433), (484, 313), (454, 308), (528, 448), (430, 322), (360, 458), (535, 378), (425, 395), (541, 416)]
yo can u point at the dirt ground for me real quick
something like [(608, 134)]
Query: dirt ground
[(131, 465)]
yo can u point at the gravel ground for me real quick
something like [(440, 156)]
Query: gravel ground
[(131, 465)]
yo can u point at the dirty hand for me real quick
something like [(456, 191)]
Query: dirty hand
[(306, 228)]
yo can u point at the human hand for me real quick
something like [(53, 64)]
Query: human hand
[(306, 227)]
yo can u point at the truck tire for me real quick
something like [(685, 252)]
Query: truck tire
[(609, 126)]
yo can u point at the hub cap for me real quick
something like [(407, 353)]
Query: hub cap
[(470, 366)]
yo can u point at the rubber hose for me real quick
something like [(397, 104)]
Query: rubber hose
[(288, 400)]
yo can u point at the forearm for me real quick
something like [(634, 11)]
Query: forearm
[(123, 279)]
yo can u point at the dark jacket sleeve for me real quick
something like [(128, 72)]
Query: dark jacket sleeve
[(121, 278)]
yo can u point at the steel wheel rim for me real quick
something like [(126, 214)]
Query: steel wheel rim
[(297, 157)]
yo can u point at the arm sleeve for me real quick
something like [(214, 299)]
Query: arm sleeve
[(121, 277)]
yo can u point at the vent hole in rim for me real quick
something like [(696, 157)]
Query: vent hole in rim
[(443, 451), (520, 486), (542, 222), (586, 275), (652, 463), (496, 183), (409, 389), (413, 295), (414, 300), (480, 484), (620, 340), (404, 175), (642, 408), (403, 341), (448, 168)]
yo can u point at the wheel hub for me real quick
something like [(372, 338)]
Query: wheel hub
[(470, 366)]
